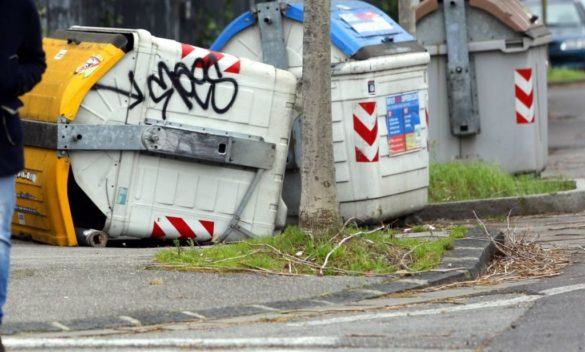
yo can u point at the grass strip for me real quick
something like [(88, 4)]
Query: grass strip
[(463, 181), (296, 253), (565, 75)]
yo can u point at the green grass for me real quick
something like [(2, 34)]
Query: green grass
[(294, 252), (463, 181), (565, 75)]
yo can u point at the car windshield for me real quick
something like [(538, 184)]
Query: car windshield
[(559, 14)]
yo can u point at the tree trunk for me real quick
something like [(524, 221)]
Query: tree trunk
[(319, 210), (407, 15)]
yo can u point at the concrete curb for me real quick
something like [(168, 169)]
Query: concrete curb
[(467, 260), (561, 202)]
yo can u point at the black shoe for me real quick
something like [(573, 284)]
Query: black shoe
[(1, 346)]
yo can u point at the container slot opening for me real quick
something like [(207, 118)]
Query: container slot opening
[(463, 128), (84, 212), (514, 44), (222, 148)]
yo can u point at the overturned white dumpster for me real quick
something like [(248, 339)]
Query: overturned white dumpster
[(132, 135)]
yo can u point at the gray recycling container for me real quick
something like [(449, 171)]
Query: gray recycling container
[(379, 99), (487, 82)]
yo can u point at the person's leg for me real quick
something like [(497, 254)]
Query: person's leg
[(7, 204)]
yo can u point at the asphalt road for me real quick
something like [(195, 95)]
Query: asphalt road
[(528, 316), (566, 131)]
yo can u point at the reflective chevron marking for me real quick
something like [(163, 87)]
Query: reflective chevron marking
[(171, 227), (227, 63), (524, 88), (365, 125)]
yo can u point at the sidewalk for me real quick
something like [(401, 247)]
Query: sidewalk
[(62, 289)]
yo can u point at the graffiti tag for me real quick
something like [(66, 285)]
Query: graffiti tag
[(195, 84)]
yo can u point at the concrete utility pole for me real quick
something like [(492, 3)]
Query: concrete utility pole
[(407, 15), (544, 4), (319, 210)]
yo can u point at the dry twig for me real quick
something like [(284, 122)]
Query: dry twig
[(345, 240), (404, 265), (522, 257)]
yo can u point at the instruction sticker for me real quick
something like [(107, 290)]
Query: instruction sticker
[(122, 195), (372, 87), (21, 219), (403, 123), (367, 23), (60, 54), (27, 175), (88, 68)]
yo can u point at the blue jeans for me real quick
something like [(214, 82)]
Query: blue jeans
[(7, 204)]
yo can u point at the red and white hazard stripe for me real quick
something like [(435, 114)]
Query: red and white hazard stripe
[(227, 63), (365, 125), (525, 109), (172, 227)]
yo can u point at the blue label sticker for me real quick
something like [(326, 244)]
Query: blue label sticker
[(367, 22), (395, 123), (402, 121), (122, 195)]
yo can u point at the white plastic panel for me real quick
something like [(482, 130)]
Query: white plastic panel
[(392, 185)]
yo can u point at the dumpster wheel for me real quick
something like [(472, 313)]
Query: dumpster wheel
[(91, 238)]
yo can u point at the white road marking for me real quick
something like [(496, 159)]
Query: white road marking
[(196, 315), (130, 320), (563, 289), (87, 342), (60, 326), (371, 292), (436, 311), (259, 306), (414, 281), (320, 301)]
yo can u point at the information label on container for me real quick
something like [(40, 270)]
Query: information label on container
[(403, 123), (367, 23)]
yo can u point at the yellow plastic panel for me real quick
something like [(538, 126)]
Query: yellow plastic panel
[(42, 206), (72, 69), (43, 211)]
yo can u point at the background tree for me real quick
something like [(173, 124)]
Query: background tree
[(407, 15), (319, 210)]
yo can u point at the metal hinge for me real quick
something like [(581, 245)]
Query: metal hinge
[(269, 16)]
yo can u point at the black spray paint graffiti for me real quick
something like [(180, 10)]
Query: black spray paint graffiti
[(189, 83), (135, 93)]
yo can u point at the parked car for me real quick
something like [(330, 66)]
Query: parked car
[(566, 21)]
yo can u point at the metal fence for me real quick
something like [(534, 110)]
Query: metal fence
[(196, 22)]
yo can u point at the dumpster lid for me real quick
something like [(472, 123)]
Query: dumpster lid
[(510, 12), (354, 26), (118, 40)]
